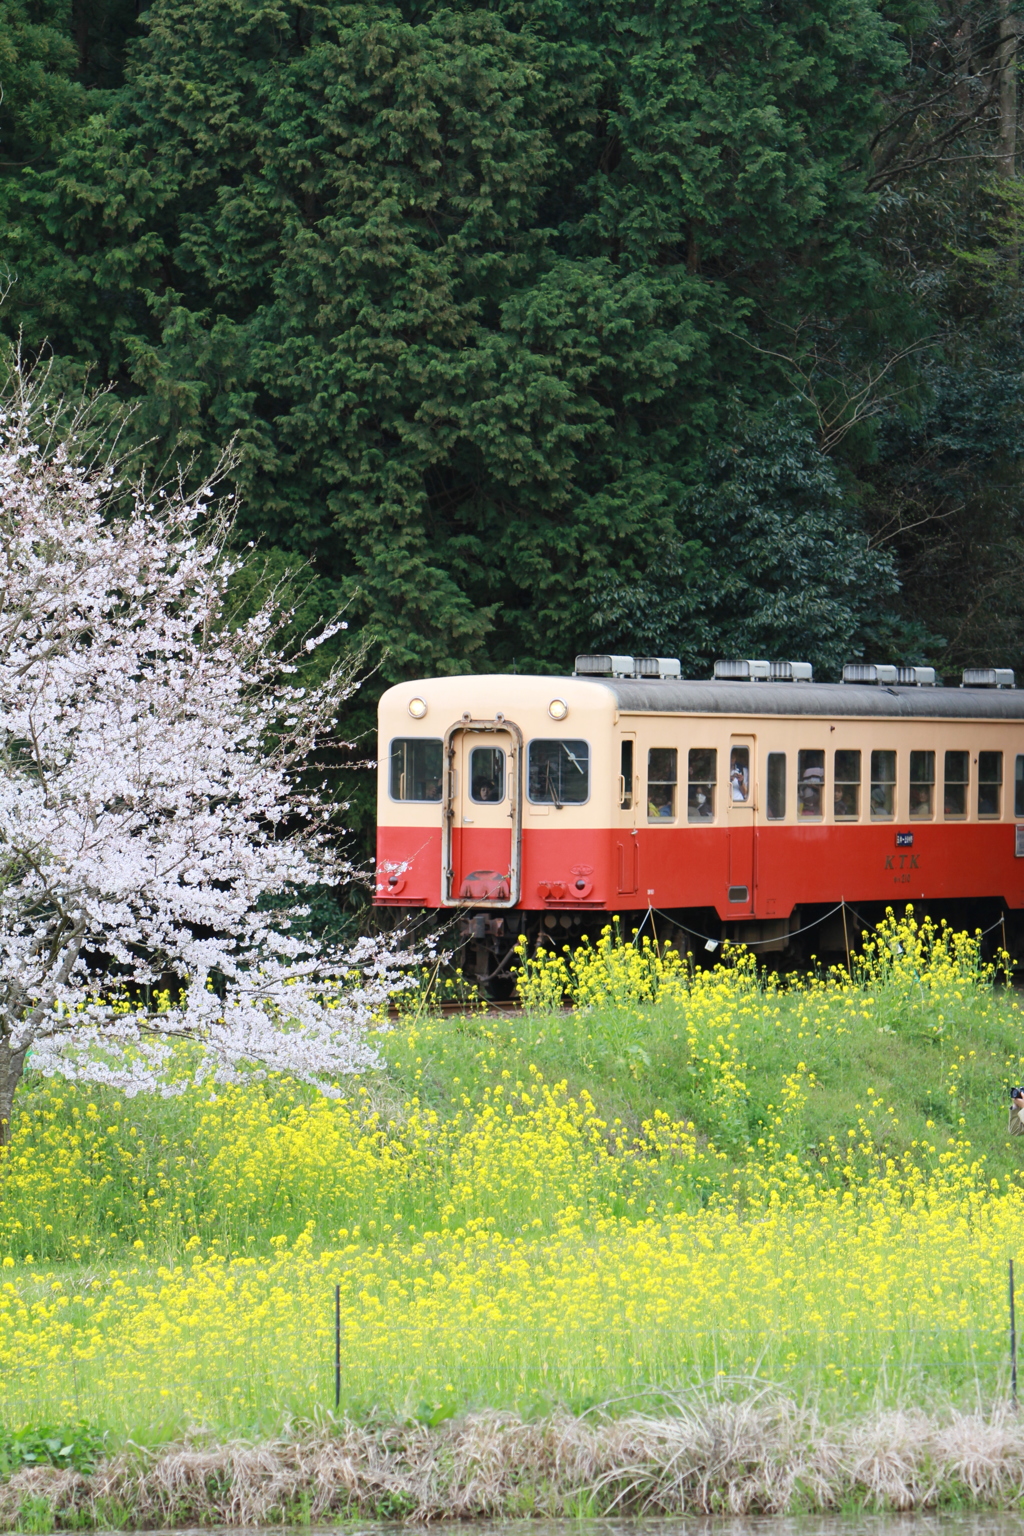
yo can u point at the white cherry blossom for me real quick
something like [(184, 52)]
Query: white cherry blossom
[(156, 811)]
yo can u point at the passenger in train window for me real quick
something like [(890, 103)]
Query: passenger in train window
[(921, 801), (846, 800), (810, 783), (955, 779), (662, 773), (883, 784), (702, 777), (990, 783), (739, 774), (487, 774), (922, 785)]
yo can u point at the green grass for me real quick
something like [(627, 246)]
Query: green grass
[(917, 1074), (210, 1228), (906, 1068)]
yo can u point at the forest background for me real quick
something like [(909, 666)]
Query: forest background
[(688, 327)]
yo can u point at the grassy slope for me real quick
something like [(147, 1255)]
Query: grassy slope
[(95, 1174), (102, 1192), (893, 1067)]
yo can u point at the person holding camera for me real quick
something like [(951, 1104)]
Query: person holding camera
[(1016, 1126)]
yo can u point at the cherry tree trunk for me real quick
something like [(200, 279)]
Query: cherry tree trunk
[(12, 1065)]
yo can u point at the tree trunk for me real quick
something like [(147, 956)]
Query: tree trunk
[(12, 1065), (1007, 159)]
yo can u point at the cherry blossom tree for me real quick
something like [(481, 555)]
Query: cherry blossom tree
[(159, 810)]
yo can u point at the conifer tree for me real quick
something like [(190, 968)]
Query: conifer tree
[(474, 288)]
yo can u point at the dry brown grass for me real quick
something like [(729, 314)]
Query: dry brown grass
[(762, 1456)]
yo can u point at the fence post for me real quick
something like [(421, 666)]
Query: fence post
[(338, 1347), (1013, 1343)]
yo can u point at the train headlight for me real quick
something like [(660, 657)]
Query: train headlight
[(417, 708), (558, 709)]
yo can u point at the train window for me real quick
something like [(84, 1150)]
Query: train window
[(1018, 787), (702, 777), (776, 806), (954, 791), (883, 783), (626, 776), (416, 768), (922, 785), (847, 785), (486, 774), (559, 771), (662, 776), (739, 775), (990, 783), (810, 783)]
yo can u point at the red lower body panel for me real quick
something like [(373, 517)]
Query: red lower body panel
[(777, 868)]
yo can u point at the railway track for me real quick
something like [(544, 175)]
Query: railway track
[(453, 1010)]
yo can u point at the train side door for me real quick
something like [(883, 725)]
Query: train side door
[(627, 844), (741, 814), (482, 828)]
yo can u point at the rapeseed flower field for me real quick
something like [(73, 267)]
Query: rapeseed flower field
[(684, 1177)]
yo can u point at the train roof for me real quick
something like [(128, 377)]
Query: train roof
[(715, 697)]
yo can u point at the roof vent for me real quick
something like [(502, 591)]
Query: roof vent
[(605, 666), (743, 671), (917, 677), (792, 672), (988, 677), (869, 672), (658, 666)]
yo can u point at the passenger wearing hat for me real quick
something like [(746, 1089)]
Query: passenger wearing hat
[(1016, 1126), (809, 789)]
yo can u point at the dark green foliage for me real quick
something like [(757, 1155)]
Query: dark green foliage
[(102, 31), (944, 477), (78, 1447), (500, 303), (946, 489), (41, 101), (951, 483), (470, 285), (766, 559)]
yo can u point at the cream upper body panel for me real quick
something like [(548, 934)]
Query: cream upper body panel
[(794, 738), (591, 711), (781, 720)]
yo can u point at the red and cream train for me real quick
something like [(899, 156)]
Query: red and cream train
[(745, 805)]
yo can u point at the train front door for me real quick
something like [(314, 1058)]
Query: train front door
[(627, 846), (741, 812), (483, 805)]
